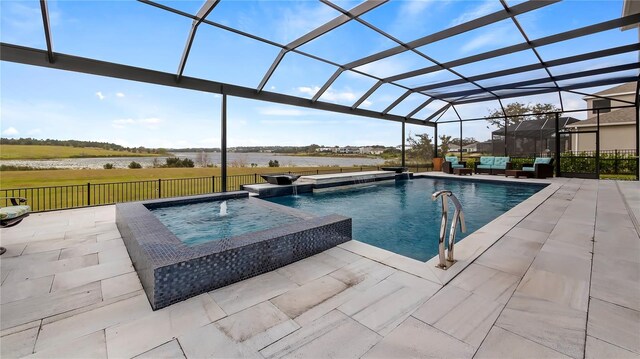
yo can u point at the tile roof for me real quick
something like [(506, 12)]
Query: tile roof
[(622, 115), (624, 88)]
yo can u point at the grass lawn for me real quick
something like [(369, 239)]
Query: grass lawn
[(22, 179), (36, 152)]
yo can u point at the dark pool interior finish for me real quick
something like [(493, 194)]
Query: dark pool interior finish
[(401, 217), (197, 223)]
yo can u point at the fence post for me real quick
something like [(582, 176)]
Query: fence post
[(255, 178), (159, 188), (340, 169), (317, 172), (213, 184), (615, 162), (88, 193)]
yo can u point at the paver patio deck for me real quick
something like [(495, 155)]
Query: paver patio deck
[(562, 281)]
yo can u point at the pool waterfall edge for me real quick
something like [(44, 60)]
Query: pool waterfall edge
[(171, 271)]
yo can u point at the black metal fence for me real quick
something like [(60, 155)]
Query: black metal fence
[(94, 194)]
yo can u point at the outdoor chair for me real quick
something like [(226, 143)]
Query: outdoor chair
[(542, 167), (450, 163), (11, 216)]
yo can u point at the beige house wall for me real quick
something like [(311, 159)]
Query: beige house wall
[(618, 137)]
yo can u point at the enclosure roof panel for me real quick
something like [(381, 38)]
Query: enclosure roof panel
[(338, 55)]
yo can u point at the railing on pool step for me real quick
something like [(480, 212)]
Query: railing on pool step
[(458, 217)]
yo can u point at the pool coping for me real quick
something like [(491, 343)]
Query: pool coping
[(473, 245)]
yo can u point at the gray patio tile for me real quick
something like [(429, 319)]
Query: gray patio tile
[(50, 245), (540, 226), (257, 326), (90, 307), (503, 260), (24, 289), (28, 260), (333, 335), (247, 293), (597, 349), (298, 300), (72, 328), (556, 326), (529, 234), (487, 282), (20, 328), (116, 286), (440, 304), (113, 255), (89, 346), (614, 324), (90, 248), (49, 268), (365, 250), (110, 235), (169, 350), (415, 339), (343, 255), (621, 243), (210, 342), (616, 282), (556, 288), (18, 344), (504, 344), (35, 308), (384, 306), (308, 269), (13, 250), (365, 273), (141, 335), (412, 266), (82, 276)]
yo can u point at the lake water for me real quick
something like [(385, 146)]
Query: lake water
[(233, 158)]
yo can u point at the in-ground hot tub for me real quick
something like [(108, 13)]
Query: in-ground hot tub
[(173, 266)]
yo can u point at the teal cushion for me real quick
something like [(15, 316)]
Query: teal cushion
[(452, 159), (486, 161), (457, 166), (544, 160), (529, 169), (13, 211), (500, 161), (484, 166)]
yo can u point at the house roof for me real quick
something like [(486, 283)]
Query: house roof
[(624, 88), (623, 115)]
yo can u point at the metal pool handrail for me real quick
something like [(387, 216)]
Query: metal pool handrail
[(458, 215)]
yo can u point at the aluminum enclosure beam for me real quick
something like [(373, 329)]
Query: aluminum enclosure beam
[(36, 57), (361, 9), (367, 94), (604, 82), (452, 31), (543, 80), (537, 66), (206, 8), (47, 29), (552, 39)]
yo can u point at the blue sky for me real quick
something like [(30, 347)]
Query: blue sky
[(43, 103)]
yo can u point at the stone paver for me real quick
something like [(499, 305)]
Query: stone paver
[(560, 282)]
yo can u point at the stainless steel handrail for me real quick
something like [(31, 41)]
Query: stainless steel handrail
[(458, 217)]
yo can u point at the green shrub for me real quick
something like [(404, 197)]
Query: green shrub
[(175, 162), (134, 165), (108, 166), (274, 163)]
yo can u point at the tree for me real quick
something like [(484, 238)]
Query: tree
[(134, 165), (522, 112), (202, 159), (445, 141), (465, 141), (421, 147)]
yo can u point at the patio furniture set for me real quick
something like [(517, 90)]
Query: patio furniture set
[(542, 167)]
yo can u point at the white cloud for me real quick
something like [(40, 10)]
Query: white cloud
[(280, 111), (484, 8), (11, 131), (497, 37), (414, 8), (150, 123), (100, 95), (272, 88), (119, 94)]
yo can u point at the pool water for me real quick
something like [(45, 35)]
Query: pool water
[(401, 217), (197, 223)]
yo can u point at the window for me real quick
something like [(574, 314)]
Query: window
[(605, 104)]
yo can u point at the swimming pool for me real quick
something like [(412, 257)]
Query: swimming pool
[(401, 217)]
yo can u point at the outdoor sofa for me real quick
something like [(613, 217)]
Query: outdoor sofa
[(542, 167), (492, 165), (451, 162)]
